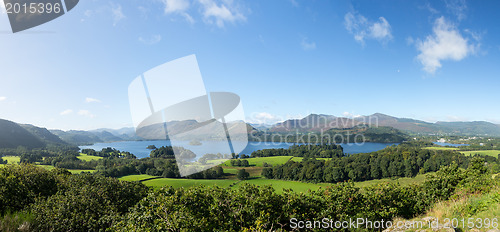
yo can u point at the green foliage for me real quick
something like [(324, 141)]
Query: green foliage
[(239, 163), (242, 174), (21, 185), (405, 160), (87, 203), (317, 151)]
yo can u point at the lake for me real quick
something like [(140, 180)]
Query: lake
[(450, 144), (138, 148)]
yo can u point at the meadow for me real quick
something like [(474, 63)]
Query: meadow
[(493, 153), (86, 157)]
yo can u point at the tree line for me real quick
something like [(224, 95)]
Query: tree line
[(405, 160)]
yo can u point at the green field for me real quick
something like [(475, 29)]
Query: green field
[(86, 157), (493, 153), (279, 185), (441, 148), (231, 170), (12, 159), (403, 181), (273, 160), (136, 177), (177, 183)]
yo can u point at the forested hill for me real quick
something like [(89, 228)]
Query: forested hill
[(13, 135), (322, 122)]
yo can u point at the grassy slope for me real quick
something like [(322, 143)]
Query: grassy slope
[(493, 153), (136, 177), (177, 183), (86, 157), (476, 207), (12, 159)]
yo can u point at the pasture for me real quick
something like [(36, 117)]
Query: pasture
[(493, 153)]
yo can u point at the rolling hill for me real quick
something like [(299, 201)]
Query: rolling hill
[(12, 135)]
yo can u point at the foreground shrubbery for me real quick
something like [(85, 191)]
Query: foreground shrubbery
[(90, 202)]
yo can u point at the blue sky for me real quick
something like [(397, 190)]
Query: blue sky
[(434, 60)]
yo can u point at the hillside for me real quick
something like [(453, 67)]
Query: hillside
[(314, 123), (13, 135), (322, 122), (44, 135)]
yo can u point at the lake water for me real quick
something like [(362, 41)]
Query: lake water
[(450, 144), (139, 148)]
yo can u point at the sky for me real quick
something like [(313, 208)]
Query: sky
[(428, 60)]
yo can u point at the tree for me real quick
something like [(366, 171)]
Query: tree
[(243, 174)]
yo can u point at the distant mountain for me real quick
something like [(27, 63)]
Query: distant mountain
[(13, 135), (77, 137), (318, 122), (314, 123), (44, 135), (471, 128), (126, 133), (260, 126), (404, 124)]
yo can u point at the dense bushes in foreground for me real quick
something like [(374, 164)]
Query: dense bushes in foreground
[(90, 202), (260, 208)]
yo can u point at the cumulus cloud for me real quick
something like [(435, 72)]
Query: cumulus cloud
[(90, 100), (264, 118), (446, 43), (151, 40), (66, 112), (175, 6), (86, 113), (362, 28), (350, 115), (457, 8), (3, 98), (178, 7), (219, 14), (307, 46), (117, 13)]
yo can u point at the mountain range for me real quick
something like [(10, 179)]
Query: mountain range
[(13, 134)]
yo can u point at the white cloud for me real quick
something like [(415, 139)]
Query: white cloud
[(218, 14), (350, 115), (66, 112), (175, 6), (294, 3), (457, 7), (307, 46), (86, 113), (117, 14), (178, 7), (362, 28), (446, 43), (90, 100), (264, 118), (151, 40), (3, 98)]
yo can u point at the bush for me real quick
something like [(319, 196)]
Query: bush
[(89, 203)]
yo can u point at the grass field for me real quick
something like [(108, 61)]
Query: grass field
[(274, 160), (403, 181), (493, 153), (135, 177), (441, 148), (231, 170), (12, 159), (177, 183), (279, 185), (86, 157)]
